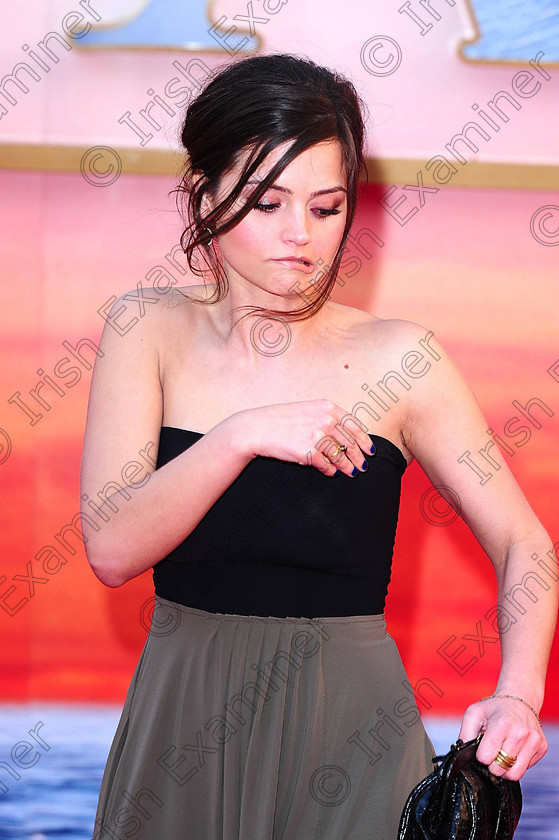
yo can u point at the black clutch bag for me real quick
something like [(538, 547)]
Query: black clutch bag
[(461, 800)]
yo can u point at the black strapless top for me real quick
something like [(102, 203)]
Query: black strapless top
[(285, 540)]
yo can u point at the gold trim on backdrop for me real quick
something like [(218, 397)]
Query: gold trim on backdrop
[(53, 158)]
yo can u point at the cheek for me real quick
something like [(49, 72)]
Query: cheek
[(330, 239), (245, 240)]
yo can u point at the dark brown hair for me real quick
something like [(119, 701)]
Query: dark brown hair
[(256, 104)]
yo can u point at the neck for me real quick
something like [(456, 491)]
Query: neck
[(258, 338)]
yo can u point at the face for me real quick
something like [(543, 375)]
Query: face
[(298, 222)]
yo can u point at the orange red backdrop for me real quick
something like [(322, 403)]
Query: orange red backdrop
[(468, 268), (475, 264)]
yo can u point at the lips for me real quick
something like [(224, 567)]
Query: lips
[(297, 264)]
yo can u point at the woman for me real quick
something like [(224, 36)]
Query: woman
[(269, 701)]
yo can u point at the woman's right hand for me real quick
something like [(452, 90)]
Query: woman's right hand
[(307, 433)]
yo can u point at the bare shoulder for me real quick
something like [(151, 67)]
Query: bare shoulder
[(389, 339), (146, 315), (413, 353), (184, 302), (399, 336), (175, 303)]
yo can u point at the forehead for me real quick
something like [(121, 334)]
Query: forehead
[(313, 167)]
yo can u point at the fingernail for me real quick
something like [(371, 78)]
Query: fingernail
[(365, 466), (335, 474), (373, 449), (354, 472)]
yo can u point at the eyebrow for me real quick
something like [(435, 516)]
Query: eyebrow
[(290, 192)]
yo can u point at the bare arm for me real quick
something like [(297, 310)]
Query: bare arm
[(139, 525), (444, 422)]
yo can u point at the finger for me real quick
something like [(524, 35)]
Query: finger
[(508, 761), (329, 468), (354, 437), (357, 443), (349, 460), (539, 752), (508, 756), (473, 722), (528, 747), (533, 749), (333, 462), (497, 738)]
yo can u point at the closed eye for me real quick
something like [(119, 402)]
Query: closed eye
[(333, 212), (266, 208), (322, 212)]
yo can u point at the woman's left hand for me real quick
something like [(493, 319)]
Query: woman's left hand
[(508, 725)]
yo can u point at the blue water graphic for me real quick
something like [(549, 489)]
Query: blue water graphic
[(515, 30), (55, 797), (174, 24)]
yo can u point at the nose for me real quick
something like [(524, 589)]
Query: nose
[(296, 227)]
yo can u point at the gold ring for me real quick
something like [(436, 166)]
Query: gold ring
[(340, 448), (505, 760)]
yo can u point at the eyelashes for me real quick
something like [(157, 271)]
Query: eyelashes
[(323, 212)]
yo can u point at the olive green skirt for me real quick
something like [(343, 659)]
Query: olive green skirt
[(251, 728)]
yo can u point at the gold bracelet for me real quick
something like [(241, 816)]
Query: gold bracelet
[(514, 697)]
